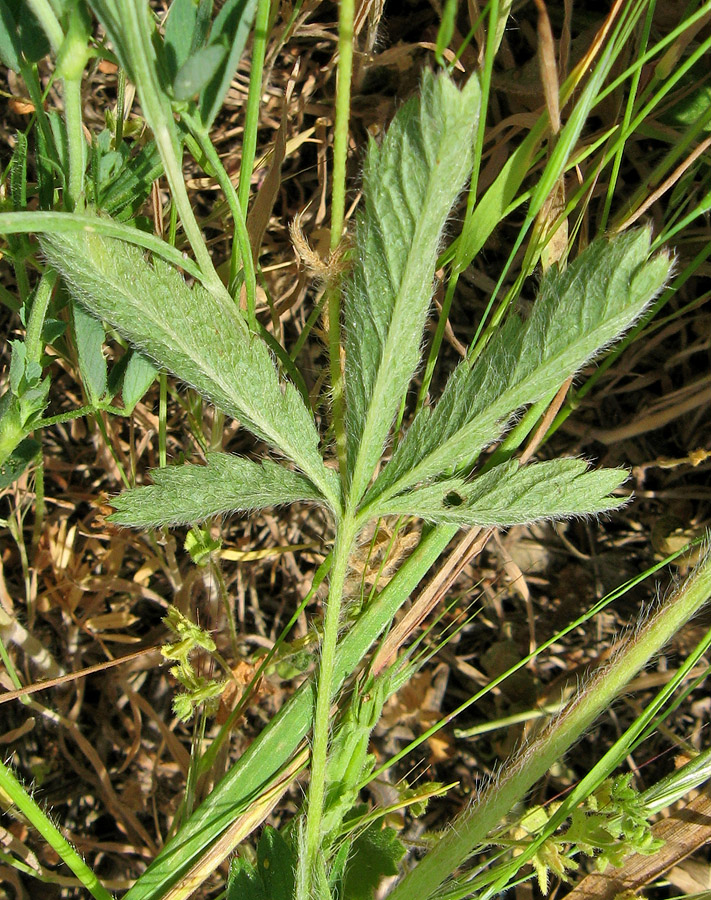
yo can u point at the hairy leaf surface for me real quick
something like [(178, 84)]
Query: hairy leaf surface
[(513, 495), (410, 185), (578, 312), (200, 337), (182, 495)]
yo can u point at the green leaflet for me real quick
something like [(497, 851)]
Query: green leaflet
[(513, 495), (89, 333), (182, 495), (199, 336), (578, 312), (410, 185)]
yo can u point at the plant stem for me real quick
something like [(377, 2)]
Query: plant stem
[(158, 113), (251, 120), (237, 208), (345, 535), (22, 800), (518, 776), (338, 206), (38, 313), (75, 143)]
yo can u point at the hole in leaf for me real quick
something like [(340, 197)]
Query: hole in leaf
[(453, 499)]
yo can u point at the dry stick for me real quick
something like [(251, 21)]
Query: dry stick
[(649, 421), (471, 544), (72, 676), (665, 185), (546, 422)]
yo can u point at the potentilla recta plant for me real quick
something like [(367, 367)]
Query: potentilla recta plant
[(373, 460)]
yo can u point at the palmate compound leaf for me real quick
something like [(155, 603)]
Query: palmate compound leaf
[(183, 495), (578, 312), (410, 184), (513, 495), (198, 336)]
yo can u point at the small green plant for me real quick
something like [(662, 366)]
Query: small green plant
[(365, 463)]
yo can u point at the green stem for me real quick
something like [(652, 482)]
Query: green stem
[(38, 313), (158, 113), (473, 826), (251, 120), (63, 223), (78, 413), (75, 143), (238, 215), (208, 758), (338, 207), (345, 537), (27, 806)]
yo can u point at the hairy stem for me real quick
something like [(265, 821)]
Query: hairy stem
[(75, 143), (338, 206), (306, 888), (159, 116), (22, 800), (473, 826)]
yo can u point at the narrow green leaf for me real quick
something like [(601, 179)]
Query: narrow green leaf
[(578, 312), (89, 334), (410, 185), (182, 495), (230, 28), (199, 336), (513, 495), (14, 464), (185, 30), (139, 376), (198, 70)]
